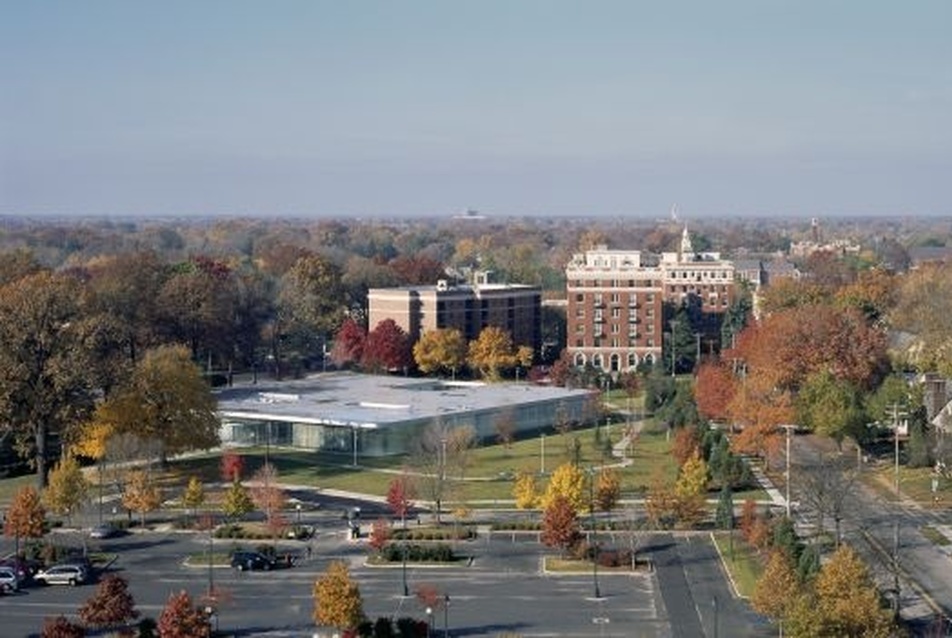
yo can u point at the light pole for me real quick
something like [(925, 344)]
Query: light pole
[(298, 508), (429, 621), (542, 455), (788, 428), (674, 325), (406, 590), (446, 615), (354, 431), (591, 512)]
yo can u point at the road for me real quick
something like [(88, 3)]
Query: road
[(925, 577), (503, 590)]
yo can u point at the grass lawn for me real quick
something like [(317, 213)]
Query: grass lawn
[(915, 483), (743, 564)]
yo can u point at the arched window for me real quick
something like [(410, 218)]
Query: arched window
[(632, 360), (598, 362), (615, 362), (579, 360)]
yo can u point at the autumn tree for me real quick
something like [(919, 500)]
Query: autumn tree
[(713, 390), (194, 495), (25, 518), (847, 600), (111, 606), (67, 488), (47, 376), (337, 599), (232, 466), (524, 490), (387, 348), (607, 489), (141, 494), (778, 587), (181, 618), (505, 428), (690, 489), (568, 482), (349, 343), (400, 495), (460, 442), (491, 352), (61, 627), (440, 350), (380, 534), (166, 400), (560, 524), (267, 494), (686, 444), (237, 501)]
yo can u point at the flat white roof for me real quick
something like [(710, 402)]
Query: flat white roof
[(371, 401)]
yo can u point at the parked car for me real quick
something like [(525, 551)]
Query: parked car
[(242, 560), (24, 569), (9, 581), (63, 575), (106, 530)]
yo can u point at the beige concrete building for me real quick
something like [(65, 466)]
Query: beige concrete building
[(469, 308)]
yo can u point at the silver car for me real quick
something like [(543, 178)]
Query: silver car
[(62, 575), (9, 582)]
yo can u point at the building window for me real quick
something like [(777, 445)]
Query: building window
[(598, 342), (616, 313), (579, 343), (650, 342), (614, 342), (580, 297), (614, 297), (580, 328), (615, 329), (632, 360), (579, 312), (598, 298)]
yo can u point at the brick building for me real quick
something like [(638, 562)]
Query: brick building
[(616, 301)]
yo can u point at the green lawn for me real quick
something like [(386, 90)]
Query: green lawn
[(742, 563)]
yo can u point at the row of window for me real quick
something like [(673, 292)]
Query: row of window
[(614, 342), (614, 360)]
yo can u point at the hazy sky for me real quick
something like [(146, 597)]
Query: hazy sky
[(339, 107)]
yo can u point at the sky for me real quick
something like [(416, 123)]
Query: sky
[(796, 108)]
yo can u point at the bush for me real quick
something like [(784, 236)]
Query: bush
[(441, 553)]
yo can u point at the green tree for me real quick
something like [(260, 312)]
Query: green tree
[(440, 350), (67, 488), (492, 352), (237, 502), (182, 619), (724, 516), (829, 406), (337, 599)]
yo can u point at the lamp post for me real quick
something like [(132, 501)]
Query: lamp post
[(542, 456), (788, 428), (429, 621), (674, 325), (446, 615), (298, 508), (591, 512), (354, 431)]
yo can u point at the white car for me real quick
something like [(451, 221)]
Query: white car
[(9, 582), (62, 575)]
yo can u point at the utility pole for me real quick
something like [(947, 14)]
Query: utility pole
[(895, 425), (788, 428)]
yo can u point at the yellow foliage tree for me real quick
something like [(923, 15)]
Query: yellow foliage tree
[(194, 495), (607, 489), (778, 587), (67, 488), (847, 599), (524, 491), (443, 349), (689, 490), (569, 481), (492, 352), (93, 436), (141, 495), (337, 600)]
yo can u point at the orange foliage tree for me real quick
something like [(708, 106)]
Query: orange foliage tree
[(713, 390)]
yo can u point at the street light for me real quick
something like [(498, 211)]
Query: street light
[(446, 615), (591, 512), (298, 508), (406, 590), (788, 428), (429, 621)]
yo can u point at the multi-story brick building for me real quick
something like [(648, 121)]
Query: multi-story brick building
[(616, 301), (469, 308)]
